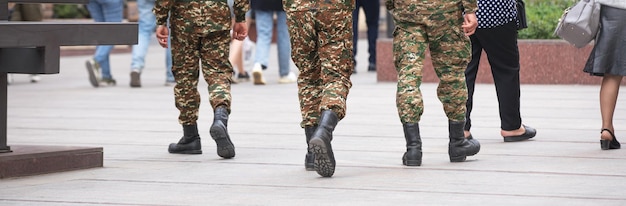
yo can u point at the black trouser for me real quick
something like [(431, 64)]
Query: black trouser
[(372, 14), (500, 45)]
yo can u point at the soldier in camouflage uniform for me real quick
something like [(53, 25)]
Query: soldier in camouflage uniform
[(442, 26), (200, 32), (321, 39)]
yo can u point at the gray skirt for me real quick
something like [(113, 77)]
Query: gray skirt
[(609, 52)]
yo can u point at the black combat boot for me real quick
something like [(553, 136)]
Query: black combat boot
[(189, 143), (460, 147), (320, 144), (413, 154), (219, 133), (309, 158)]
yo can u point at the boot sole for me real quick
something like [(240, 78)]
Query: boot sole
[(458, 159), (225, 147), (415, 158), (412, 162), (187, 152), (462, 158), (324, 163), (193, 151)]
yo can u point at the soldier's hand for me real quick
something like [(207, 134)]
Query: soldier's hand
[(162, 33), (240, 31), (470, 23)]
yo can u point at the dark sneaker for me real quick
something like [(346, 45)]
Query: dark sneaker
[(93, 69), (243, 77), (108, 82), (135, 80)]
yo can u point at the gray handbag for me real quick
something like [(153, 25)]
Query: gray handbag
[(579, 23)]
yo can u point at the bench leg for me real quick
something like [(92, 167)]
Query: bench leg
[(3, 114)]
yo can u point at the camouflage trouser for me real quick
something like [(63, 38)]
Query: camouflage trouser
[(450, 53), (188, 51), (321, 48)]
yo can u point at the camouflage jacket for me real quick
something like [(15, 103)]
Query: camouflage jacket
[(413, 7), (213, 14), (307, 5)]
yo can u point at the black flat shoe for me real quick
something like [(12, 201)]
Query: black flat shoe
[(529, 133), (609, 144)]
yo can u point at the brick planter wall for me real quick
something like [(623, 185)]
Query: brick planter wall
[(541, 62)]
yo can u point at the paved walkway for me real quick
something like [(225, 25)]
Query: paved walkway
[(563, 165)]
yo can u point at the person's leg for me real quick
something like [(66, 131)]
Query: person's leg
[(284, 47), (334, 50), (264, 28), (500, 45), (609, 90), (408, 50), (470, 79), (101, 57), (169, 75), (112, 11), (306, 58), (408, 61), (355, 30), (93, 67), (372, 16), (235, 55), (450, 67), (216, 69), (146, 25), (185, 67), (217, 72), (304, 43), (445, 35), (185, 59), (95, 11), (336, 61)]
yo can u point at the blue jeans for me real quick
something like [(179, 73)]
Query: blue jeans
[(264, 27), (105, 11), (147, 26)]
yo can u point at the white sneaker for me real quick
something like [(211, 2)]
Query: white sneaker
[(289, 78), (257, 74), (35, 78)]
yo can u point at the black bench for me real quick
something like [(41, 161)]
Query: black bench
[(34, 48)]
